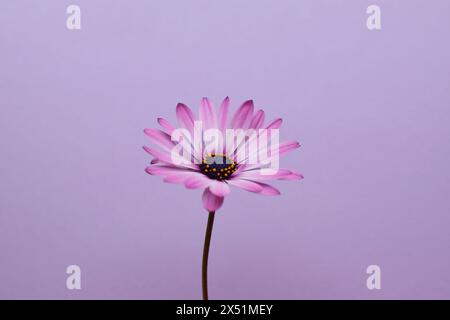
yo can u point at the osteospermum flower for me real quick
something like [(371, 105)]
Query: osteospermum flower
[(215, 167)]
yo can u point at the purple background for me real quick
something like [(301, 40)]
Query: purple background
[(371, 109)]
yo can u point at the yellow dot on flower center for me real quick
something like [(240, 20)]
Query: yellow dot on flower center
[(217, 166)]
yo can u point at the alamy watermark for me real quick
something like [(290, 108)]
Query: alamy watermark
[(73, 21), (259, 147), (73, 281), (374, 280)]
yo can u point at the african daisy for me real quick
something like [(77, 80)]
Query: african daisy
[(213, 152)]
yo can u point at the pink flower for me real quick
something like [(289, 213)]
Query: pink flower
[(216, 169), (202, 153)]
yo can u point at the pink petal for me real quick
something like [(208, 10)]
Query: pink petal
[(210, 201), (223, 113), (293, 176), (275, 124), (161, 156), (160, 138), (164, 170), (254, 186), (256, 175), (171, 174), (166, 125), (287, 146), (219, 188), (243, 115), (246, 185), (185, 117), (166, 158), (283, 149), (258, 120), (268, 190), (177, 177), (207, 114), (196, 181)]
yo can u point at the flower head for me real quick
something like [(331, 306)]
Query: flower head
[(213, 152)]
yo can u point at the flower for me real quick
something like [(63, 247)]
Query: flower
[(216, 167), (212, 153)]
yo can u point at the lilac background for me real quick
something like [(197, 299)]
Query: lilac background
[(371, 110)]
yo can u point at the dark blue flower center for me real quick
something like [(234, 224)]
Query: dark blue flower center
[(218, 166)]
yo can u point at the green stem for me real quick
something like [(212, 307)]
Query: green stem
[(208, 233)]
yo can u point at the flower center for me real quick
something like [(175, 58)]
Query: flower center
[(218, 166)]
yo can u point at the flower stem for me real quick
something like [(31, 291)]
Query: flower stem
[(208, 233)]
